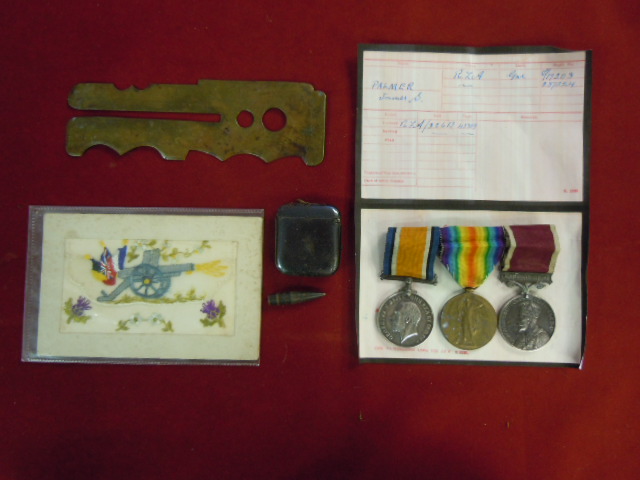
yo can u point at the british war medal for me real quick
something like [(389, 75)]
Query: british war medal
[(405, 318), (467, 320), (526, 321)]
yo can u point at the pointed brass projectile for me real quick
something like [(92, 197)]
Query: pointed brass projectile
[(291, 298)]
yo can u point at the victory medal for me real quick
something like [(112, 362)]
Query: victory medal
[(405, 318), (528, 322), (469, 321)]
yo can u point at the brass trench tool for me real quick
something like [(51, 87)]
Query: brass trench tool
[(303, 132)]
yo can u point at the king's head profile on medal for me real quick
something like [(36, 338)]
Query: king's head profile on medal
[(405, 321), (405, 318), (530, 335), (526, 321)]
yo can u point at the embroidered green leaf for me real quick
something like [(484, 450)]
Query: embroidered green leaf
[(132, 253), (168, 327), (67, 308), (223, 312), (126, 298), (155, 319)]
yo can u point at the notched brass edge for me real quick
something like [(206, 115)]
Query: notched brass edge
[(305, 139)]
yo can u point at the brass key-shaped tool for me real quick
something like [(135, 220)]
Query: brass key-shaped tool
[(301, 132)]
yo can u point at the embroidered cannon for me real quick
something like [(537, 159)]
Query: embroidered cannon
[(147, 280)]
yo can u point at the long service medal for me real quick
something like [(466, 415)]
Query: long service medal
[(467, 320), (405, 318), (528, 322)]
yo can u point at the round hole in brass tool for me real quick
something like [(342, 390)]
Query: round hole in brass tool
[(245, 119), (274, 119)]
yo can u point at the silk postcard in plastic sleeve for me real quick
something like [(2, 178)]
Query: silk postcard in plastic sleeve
[(143, 285)]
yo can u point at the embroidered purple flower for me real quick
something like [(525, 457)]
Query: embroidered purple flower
[(214, 312), (82, 305), (210, 309)]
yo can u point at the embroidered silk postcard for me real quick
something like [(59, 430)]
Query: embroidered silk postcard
[(143, 285)]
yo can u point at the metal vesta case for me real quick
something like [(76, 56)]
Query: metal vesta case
[(308, 239)]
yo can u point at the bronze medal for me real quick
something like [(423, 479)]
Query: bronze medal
[(468, 321)]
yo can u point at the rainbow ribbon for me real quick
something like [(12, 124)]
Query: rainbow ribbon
[(410, 252), (471, 253)]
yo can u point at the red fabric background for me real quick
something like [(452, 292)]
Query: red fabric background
[(310, 410)]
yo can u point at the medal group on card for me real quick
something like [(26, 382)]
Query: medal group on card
[(526, 256), (437, 132)]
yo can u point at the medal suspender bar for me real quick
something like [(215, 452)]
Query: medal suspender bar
[(405, 318), (526, 321), (468, 320)]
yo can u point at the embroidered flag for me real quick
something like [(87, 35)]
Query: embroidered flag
[(122, 256), (105, 269)]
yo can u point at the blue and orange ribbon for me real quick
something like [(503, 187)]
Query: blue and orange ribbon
[(410, 252)]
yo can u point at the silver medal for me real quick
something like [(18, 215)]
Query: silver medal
[(405, 318), (527, 322)]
